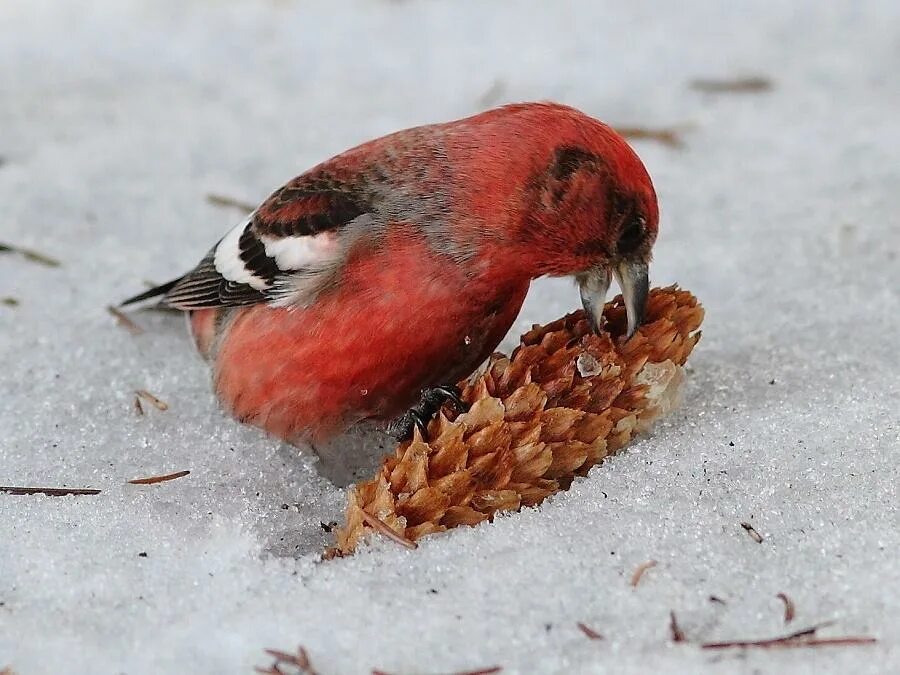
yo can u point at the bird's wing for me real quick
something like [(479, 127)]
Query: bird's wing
[(280, 253)]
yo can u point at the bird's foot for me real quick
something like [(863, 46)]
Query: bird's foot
[(420, 414)]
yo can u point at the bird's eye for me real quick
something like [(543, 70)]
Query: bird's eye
[(632, 234)]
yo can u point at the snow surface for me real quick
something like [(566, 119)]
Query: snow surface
[(780, 213)]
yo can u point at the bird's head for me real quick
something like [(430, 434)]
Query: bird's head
[(592, 214)]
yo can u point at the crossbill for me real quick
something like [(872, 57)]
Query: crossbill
[(373, 280)]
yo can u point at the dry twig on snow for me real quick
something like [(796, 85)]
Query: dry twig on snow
[(738, 85), (153, 400), (590, 632), (297, 664), (31, 255), (125, 321), (50, 492), (231, 202), (639, 572), (754, 535), (789, 608), (801, 638), (152, 480)]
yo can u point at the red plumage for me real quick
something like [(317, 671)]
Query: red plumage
[(400, 265)]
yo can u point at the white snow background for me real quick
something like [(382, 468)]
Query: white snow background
[(780, 213)]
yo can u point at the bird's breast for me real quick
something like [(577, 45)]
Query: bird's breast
[(401, 319)]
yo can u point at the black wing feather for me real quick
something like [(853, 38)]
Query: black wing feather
[(152, 293), (310, 204)]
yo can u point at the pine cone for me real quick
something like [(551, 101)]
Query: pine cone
[(563, 401)]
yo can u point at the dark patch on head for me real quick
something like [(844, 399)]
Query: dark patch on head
[(620, 205), (632, 235), (568, 159), (624, 213)]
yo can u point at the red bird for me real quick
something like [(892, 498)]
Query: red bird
[(397, 267)]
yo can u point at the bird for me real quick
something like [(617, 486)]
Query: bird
[(366, 287)]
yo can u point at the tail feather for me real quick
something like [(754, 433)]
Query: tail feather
[(152, 293)]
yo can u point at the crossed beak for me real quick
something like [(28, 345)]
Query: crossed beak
[(632, 279)]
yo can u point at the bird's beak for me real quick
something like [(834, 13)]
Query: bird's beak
[(632, 279), (593, 285), (635, 284)]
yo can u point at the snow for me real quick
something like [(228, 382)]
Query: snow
[(780, 213)]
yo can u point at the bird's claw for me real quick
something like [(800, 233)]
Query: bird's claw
[(438, 396), (420, 414)]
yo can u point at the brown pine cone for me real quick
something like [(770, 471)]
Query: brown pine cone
[(563, 401)]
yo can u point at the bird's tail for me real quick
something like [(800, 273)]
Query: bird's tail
[(152, 293)]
